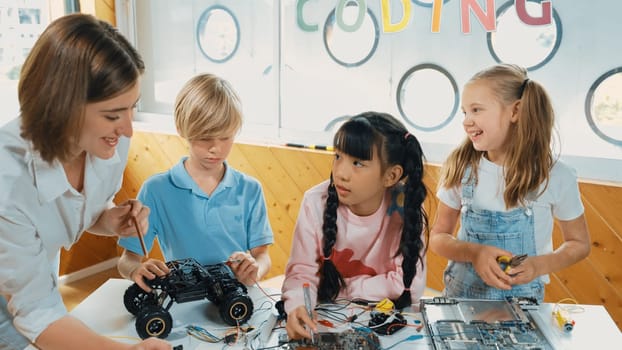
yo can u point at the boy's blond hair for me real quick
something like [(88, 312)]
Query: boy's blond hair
[(207, 106)]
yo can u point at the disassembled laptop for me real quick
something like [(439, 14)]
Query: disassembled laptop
[(482, 324)]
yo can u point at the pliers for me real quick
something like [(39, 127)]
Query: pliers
[(507, 262)]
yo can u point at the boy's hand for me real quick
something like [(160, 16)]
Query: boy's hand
[(148, 270), (244, 267)]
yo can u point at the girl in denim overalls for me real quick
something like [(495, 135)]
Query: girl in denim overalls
[(506, 188)]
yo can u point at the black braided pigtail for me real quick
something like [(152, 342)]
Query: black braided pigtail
[(415, 217), (359, 137), (331, 280)]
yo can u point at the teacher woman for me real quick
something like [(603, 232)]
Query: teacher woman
[(61, 164)]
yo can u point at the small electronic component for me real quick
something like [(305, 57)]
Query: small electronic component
[(385, 306), (439, 301), (231, 338), (326, 323), (563, 320), (418, 325), (386, 323), (359, 339), (525, 303), (280, 309)]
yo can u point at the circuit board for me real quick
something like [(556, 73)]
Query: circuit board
[(481, 324), (351, 339)]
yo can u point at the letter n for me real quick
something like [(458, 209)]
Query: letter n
[(487, 19)]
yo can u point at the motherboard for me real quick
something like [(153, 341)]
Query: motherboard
[(351, 339), (481, 324)]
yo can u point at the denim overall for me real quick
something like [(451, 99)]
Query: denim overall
[(10, 338), (512, 230)]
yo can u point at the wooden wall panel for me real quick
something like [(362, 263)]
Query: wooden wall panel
[(88, 251), (286, 173)]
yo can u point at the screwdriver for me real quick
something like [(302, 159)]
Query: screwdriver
[(140, 236)]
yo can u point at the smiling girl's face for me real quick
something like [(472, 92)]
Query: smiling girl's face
[(487, 120)]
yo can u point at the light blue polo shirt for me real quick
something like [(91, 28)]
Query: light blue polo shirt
[(190, 224)]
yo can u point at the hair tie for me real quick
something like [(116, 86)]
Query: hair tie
[(323, 258), (406, 135), (522, 87), (406, 289)]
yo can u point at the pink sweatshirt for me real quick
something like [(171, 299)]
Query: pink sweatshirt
[(363, 253)]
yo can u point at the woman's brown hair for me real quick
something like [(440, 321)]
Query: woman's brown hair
[(78, 59)]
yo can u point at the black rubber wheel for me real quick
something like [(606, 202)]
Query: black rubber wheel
[(236, 310), (135, 298), (153, 321)]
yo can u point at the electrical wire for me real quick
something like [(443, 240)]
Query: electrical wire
[(413, 337)]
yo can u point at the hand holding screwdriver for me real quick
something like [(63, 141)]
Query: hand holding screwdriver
[(307, 296), (139, 233)]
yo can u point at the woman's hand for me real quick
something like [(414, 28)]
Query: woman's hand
[(124, 215), (119, 220), (148, 270), (299, 324), (244, 267)]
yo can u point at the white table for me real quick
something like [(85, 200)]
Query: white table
[(104, 312)]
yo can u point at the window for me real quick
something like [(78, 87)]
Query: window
[(427, 97), (516, 42), (301, 67), (603, 106), (21, 22)]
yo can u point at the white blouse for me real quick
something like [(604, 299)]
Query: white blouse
[(40, 212)]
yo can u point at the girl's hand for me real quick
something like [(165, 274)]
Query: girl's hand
[(299, 324), (148, 270), (525, 272), (244, 267), (486, 265), (152, 344)]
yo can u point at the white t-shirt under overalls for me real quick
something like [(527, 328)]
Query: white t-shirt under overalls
[(560, 200)]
